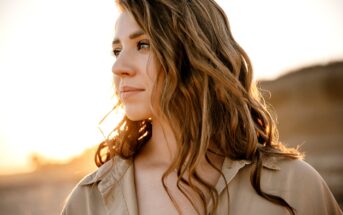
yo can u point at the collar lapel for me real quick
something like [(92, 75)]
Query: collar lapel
[(117, 188), (129, 191), (230, 168)]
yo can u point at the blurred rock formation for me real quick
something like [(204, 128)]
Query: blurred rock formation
[(309, 108)]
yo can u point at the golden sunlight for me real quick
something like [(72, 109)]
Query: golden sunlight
[(55, 66), (55, 79)]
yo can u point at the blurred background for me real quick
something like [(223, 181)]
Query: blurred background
[(56, 85)]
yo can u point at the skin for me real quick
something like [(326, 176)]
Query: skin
[(136, 68)]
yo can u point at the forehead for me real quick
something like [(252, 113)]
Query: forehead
[(125, 25)]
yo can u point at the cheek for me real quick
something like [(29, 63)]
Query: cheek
[(154, 72), (157, 91)]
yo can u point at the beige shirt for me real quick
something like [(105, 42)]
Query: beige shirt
[(111, 190)]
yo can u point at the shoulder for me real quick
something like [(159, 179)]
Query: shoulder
[(90, 191), (291, 169), (112, 169), (299, 184), (79, 198), (82, 195), (289, 175)]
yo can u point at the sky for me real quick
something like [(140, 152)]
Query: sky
[(55, 64)]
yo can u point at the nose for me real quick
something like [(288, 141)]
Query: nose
[(123, 67)]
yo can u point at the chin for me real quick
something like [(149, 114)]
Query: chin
[(137, 115)]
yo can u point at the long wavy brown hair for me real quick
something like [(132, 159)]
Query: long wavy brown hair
[(207, 96)]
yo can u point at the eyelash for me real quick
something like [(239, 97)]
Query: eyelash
[(141, 43)]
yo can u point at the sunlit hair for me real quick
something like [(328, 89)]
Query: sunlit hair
[(207, 97)]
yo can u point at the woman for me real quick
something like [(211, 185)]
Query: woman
[(196, 137)]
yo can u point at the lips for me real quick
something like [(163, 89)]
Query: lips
[(125, 89), (128, 91)]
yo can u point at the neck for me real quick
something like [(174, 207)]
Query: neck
[(161, 149), (162, 146)]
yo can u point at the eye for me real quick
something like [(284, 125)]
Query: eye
[(143, 44), (116, 52)]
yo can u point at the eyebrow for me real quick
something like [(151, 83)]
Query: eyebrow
[(131, 36)]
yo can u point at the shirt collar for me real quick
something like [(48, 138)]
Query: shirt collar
[(120, 170), (116, 178), (231, 167), (114, 169), (109, 173)]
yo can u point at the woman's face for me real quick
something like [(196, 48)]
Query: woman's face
[(135, 69)]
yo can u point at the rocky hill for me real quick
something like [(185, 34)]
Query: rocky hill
[(309, 107)]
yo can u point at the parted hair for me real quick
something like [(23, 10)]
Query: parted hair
[(208, 97)]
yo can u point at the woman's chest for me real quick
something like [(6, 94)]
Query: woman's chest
[(156, 195)]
